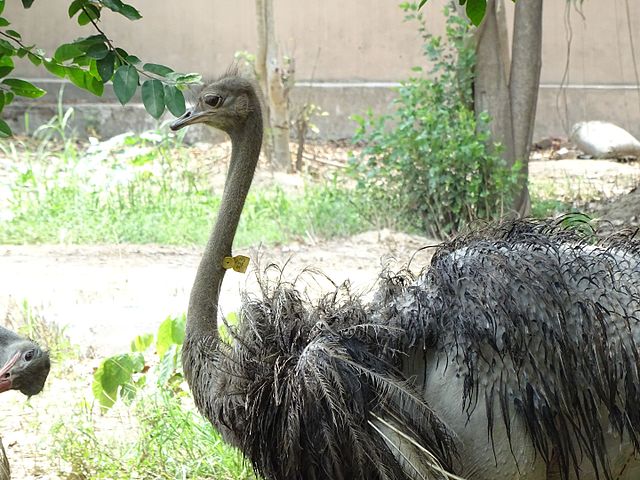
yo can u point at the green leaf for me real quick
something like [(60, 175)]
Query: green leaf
[(142, 342), (75, 7), (106, 66), (35, 59), (98, 51), (95, 85), (185, 78), (83, 79), (113, 373), (14, 34), (1, 6), (157, 69), (170, 332), (125, 83), (114, 5), (5, 130), (90, 12), (54, 67), (4, 22), (475, 10), (67, 51), (133, 60), (6, 66), (168, 365), (174, 100), (23, 88), (6, 47), (130, 12), (27, 3), (421, 4)]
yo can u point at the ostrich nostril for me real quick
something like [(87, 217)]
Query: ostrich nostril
[(6, 375)]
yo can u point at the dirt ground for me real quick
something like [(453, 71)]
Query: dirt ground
[(106, 295)]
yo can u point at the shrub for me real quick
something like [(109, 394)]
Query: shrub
[(431, 160)]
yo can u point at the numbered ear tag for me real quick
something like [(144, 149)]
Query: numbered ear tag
[(239, 263)]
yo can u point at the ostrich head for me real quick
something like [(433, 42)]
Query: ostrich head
[(224, 104), (25, 365)]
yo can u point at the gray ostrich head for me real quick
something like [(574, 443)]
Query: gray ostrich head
[(25, 365)]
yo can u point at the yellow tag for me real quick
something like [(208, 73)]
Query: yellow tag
[(239, 263)]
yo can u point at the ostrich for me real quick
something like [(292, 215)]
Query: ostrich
[(25, 367), (511, 356)]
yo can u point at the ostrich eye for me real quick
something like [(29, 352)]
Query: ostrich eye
[(29, 355), (213, 100)]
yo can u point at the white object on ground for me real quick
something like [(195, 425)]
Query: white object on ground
[(604, 140)]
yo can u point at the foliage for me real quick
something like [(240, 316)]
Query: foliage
[(171, 440), (475, 9), (90, 62), (147, 188), (431, 160), (122, 375)]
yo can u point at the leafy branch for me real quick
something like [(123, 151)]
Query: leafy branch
[(91, 62)]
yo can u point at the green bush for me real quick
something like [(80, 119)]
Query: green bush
[(431, 160)]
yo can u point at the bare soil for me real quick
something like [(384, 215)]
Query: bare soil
[(106, 295)]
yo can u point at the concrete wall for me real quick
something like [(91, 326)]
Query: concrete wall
[(347, 54)]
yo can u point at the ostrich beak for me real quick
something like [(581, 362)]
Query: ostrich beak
[(5, 376), (189, 118)]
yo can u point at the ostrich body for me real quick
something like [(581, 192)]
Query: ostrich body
[(512, 355)]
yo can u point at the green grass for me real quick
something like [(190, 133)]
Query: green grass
[(157, 196), (162, 439)]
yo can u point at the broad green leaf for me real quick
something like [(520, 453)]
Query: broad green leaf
[(77, 76), (1, 6), (90, 12), (170, 332), (4, 22), (142, 342), (13, 33), (130, 12), (1, 101), (6, 66), (23, 88), (95, 85), (83, 79), (113, 373), (98, 51), (168, 365), (75, 7), (125, 83), (114, 5), (475, 10), (106, 66), (185, 78), (67, 51), (157, 69), (5, 130), (56, 68), (35, 59), (27, 3), (133, 60), (6, 47), (84, 43), (153, 97), (174, 100), (22, 52)]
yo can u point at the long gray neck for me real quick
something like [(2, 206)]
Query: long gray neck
[(203, 303)]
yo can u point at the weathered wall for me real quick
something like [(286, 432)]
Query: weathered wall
[(351, 50)]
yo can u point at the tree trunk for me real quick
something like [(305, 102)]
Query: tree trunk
[(261, 74), (276, 78), (524, 86), (508, 89)]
